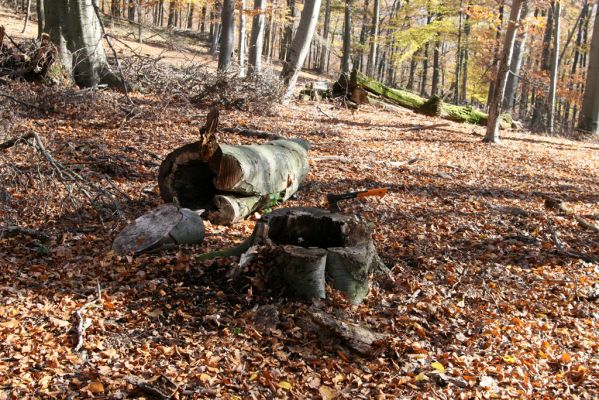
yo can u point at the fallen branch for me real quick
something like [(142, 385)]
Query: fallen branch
[(422, 127), (80, 327), (10, 143), (254, 133), (12, 231), (21, 102), (586, 224), (562, 249)]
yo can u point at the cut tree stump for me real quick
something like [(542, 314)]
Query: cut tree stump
[(233, 181), (312, 244), (164, 227)]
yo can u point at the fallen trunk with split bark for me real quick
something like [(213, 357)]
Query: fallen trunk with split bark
[(232, 181)]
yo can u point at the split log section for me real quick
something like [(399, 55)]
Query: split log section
[(232, 181)]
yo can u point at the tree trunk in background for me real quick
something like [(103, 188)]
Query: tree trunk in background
[(131, 10), (27, 16), (496, 55), (540, 105), (359, 58), (374, 37), (345, 60), (76, 35), (325, 36), (589, 113), (241, 45), (288, 32), (202, 23), (227, 35), (257, 38), (554, 66), (300, 45), (190, 16), (41, 19), (465, 56), (412, 75), (492, 135), (516, 64), (424, 77), (139, 20), (171, 15), (458, 67), (436, 68)]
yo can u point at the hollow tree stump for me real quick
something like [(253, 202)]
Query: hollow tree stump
[(312, 244)]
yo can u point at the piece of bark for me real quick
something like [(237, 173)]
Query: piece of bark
[(303, 270), (358, 338), (164, 226)]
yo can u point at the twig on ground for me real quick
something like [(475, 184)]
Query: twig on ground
[(323, 113), (80, 327), (21, 102), (586, 224), (12, 230), (562, 250)]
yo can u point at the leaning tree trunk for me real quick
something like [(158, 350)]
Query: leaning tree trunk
[(231, 181), (78, 36), (257, 38), (589, 114), (300, 45), (308, 244), (227, 34), (492, 135)]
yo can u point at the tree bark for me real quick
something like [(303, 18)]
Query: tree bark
[(227, 35), (325, 37), (232, 181), (41, 18), (492, 135), (77, 35), (241, 46), (300, 45), (555, 56), (347, 28), (374, 37), (190, 16), (27, 16), (257, 38), (589, 113), (516, 65), (436, 68)]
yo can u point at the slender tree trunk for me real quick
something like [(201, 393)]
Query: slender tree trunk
[(541, 106), (465, 57), (202, 23), (458, 68), (412, 74), (374, 37), (241, 45), (190, 16), (41, 19), (496, 54), (516, 64), (300, 45), (227, 35), (325, 36), (589, 112), (436, 68), (257, 38), (554, 66), (139, 21), (346, 58), (288, 32), (492, 135), (171, 15), (27, 16)]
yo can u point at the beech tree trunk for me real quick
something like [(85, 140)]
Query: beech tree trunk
[(513, 78), (77, 36), (231, 182), (492, 135), (241, 46), (324, 51), (300, 45), (346, 58), (589, 113), (227, 35), (554, 66), (257, 38), (374, 37)]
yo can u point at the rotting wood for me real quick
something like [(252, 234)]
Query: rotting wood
[(362, 340), (232, 181), (302, 239)]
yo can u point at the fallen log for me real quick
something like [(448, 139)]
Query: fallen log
[(412, 101), (311, 244), (232, 181)]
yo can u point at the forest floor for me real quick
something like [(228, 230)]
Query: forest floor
[(490, 297)]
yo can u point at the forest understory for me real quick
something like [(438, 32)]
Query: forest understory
[(493, 293)]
